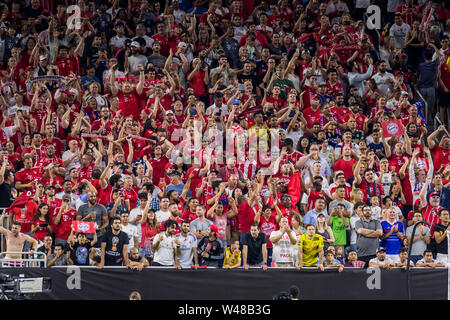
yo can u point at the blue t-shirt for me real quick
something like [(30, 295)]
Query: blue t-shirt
[(392, 244)]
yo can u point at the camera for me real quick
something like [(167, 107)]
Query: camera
[(20, 288)]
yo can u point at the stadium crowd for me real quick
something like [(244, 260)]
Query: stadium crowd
[(224, 133)]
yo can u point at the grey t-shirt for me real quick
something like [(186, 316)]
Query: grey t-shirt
[(420, 245), (367, 246), (198, 225), (134, 61), (62, 261), (100, 212)]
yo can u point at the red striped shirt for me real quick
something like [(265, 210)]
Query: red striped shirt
[(430, 215)]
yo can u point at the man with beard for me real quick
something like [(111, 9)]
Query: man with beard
[(114, 247), (368, 232), (94, 212), (187, 252), (164, 248), (136, 58), (383, 79), (14, 242), (104, 125)]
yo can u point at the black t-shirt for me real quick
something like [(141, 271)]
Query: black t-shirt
[(80, 254), (254, 255), (6, 198), (114, 247), (441, 247)]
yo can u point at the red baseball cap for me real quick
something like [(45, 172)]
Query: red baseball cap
[(214, 228)]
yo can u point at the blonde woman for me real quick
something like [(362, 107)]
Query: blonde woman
[(323, 229), (356, 195)]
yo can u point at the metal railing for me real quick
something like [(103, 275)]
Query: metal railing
[(28, 260)]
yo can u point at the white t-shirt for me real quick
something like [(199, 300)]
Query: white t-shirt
[(162, 216), (399, 34), (282, 250), (133, 215), (380, 79), (132, 231), (164, 254), (185, 259), (385, 261), (117, 41)]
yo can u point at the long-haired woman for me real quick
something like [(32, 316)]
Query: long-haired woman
[(40, 224)]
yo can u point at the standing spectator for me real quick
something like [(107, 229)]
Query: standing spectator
[(310, 249), (339, 224), (114, 247), (421, 238), (369, 231), (130, 230), (254, 248), (80, 249), (199, 226), (428, 71), (164, 248), (324, 230), (312, 215), (210, 248), (282, 241), (399, 30), (440, 236), (187, 252), (94, 212), (63, 220), (393, 234)]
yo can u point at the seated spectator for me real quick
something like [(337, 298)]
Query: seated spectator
[(382, 261), (232, 256), (421, 239), (428, 261), (352, 260), (331, 262), (401, 261), (57, 258), (137, 262)]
